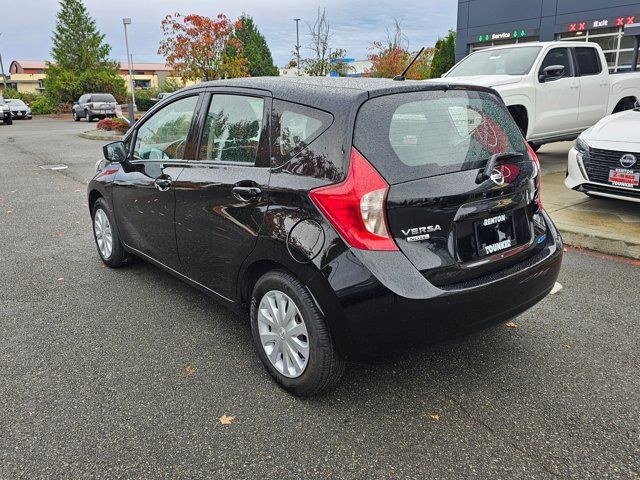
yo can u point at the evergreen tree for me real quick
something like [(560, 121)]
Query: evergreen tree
[(81, 61), (445, 55), (255, 48)]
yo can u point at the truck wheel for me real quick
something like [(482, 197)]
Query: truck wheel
[(291, 336)]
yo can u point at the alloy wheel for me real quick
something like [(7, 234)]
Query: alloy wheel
[(283, 333), (103, 233)]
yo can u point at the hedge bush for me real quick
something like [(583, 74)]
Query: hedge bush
[(41, 105), (113, 124)]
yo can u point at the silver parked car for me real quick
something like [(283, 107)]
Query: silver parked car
[(19, 109), (94, 105), (5, 112)]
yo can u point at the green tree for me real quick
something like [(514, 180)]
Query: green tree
[(254, 48), (81, 61), (445, 55)]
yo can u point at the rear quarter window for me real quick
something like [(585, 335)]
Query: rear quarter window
[(588, 61), (295, 126), (420, 134)]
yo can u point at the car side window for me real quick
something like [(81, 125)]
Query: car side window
[(164, 135), (588, 61), (294, 128), (232, 129), (558, 56)]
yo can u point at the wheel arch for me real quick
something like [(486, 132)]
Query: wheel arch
[(625, 103), (521, 116)]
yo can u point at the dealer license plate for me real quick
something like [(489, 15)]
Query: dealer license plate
[(495, 234), (623, 177)]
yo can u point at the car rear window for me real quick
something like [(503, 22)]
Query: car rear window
[(422, 134), (103, 98)]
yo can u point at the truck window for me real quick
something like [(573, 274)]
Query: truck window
[(588, 61), (558, 56)]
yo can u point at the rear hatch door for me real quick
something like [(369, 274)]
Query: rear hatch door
[(432, 147)]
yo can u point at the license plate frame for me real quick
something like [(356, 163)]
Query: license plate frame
[(495, 234), (624, 177)]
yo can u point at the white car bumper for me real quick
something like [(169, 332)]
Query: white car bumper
[(577, 179)]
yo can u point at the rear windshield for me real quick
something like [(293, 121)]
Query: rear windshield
[(103, 98), (422, 134)]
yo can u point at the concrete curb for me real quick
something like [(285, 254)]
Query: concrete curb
[(92, 135), (583, 238)]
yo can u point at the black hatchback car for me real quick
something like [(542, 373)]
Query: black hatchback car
[(342, 215)]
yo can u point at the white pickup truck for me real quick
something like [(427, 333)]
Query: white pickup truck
[(554, 90)]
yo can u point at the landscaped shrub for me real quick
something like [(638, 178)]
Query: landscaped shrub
[(26, 97), (144, 99), (41, 106), (113, 125)]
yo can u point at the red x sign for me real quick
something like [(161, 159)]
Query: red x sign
[(572, 27), (582, 26), (630, 20), (619, 21)]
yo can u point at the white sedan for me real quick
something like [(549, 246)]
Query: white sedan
[(605, 160)]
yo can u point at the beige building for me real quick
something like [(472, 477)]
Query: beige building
[(28, 75)]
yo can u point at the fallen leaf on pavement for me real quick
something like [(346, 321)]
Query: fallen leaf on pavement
[(512, 325), (227, 419), (59, 234), (9, 211), (84, 205), (190, 370), (60, 279), (566, 346), (565, 249), (434, 417), (77, 190)]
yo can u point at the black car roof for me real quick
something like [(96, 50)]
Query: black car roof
[(331, 91)]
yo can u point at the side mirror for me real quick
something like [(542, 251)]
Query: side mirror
[(115, 152), (552, 72)]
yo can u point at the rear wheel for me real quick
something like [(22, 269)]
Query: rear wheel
[(106, 236), (291, 336), (88, 116), (8, 120), (76, 118)]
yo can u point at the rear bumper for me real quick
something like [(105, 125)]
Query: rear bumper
[(379, 301)]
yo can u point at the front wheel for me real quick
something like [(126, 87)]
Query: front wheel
[(291, 336), (76, 118), (8, 120), (105, 234)]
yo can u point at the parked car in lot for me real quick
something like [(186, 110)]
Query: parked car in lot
[(554, 90), (161, 96), (94, 105), (19, 109), (5, 111), (605, 160), (343, 215)]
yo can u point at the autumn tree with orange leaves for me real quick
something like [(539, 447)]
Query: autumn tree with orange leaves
[(390, 58), (197, 47)]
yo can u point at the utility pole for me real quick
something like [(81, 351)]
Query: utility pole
[(4, 78), (132, 115), (297, 20)]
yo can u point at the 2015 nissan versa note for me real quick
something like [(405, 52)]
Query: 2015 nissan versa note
[(341, 214)]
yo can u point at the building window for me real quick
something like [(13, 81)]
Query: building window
[(142, 84), (618, 49)]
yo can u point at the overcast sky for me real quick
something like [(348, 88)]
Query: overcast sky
[(356, 24)]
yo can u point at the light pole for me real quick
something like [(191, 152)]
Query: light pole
[(132, 115), (4, 78), (297, 20)]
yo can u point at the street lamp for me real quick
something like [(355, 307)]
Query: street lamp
[(297, 20), (125, 22), (4, 78)]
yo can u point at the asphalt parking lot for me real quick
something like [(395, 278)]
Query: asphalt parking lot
[(126, 373)]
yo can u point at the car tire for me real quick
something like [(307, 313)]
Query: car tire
[(76, 118), (8, 121), (323, 367), (116, 256), (88, 117)]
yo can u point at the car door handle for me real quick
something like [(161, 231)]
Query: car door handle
[(163, 183), (246, 193)]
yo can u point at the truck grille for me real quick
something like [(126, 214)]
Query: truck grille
[(599, 162)]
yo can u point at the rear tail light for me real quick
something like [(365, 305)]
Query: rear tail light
[(356, 206), (534, 159)]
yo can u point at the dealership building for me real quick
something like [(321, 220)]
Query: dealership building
[(486, 23)]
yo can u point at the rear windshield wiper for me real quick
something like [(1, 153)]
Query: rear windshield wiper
[(491, 163)]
